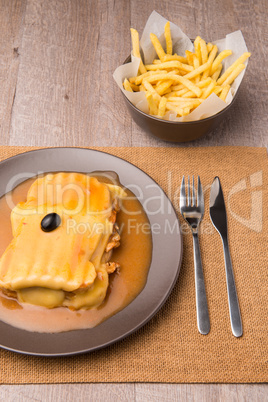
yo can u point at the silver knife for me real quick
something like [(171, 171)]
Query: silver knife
[(219, 219)]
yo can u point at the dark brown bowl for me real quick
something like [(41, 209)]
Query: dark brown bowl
[(173, 130)]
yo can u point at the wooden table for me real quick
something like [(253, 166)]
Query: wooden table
[(56, 63)]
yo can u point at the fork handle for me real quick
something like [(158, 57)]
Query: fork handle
[(200, 291)]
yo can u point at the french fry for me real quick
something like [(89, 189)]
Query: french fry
[(169, 64), (206, 74), (152, 105), (188, 94), (174, 108), (167, 91), (219, 58), (229, 80), (178, 99), (176, 78), (189, 56), (224, 92), (217, 90), (209, 47), (182, 105), (203, 50), (192, 87), (168, 38), (139, 78), (142, 88), (158, 84), (182, 92), (197, 49), (158, 48), (171, 57), (127, 85), (205, 66), (136, 48), (217, 73), (163, 86), (177, 87), (150, 88), (208, 71), (196, 64), (182, 109), (170, 94), (156, 77), (132, 80), (186, 111), (134, 87), (229, 70), (204, 83), (208, 90), (162, 107), (212, 56), (176, 71)]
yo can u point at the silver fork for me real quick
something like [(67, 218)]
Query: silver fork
[(192, 210)]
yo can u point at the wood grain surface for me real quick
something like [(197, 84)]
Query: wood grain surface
[(56, 89), (57, 60)]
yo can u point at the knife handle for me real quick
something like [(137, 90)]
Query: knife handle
[(200, 291), (234, 309)]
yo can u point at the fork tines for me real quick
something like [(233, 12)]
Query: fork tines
[(191, 194)]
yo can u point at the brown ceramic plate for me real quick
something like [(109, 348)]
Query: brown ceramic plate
[(166, 258)]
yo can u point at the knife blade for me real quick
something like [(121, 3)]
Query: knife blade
[(218, 217)]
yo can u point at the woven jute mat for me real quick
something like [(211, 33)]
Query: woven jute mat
[(169, 348)]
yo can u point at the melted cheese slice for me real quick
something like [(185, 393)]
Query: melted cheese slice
[(67, 259)]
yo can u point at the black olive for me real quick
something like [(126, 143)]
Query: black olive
[(50, 222)]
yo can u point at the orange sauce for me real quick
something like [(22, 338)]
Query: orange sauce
[(133, 255)]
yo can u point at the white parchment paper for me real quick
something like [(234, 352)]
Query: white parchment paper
[(156, 24)]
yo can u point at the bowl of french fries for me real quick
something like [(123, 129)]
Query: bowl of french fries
[(180, 97)]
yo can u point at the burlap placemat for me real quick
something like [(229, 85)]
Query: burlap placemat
[(169, 348)]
